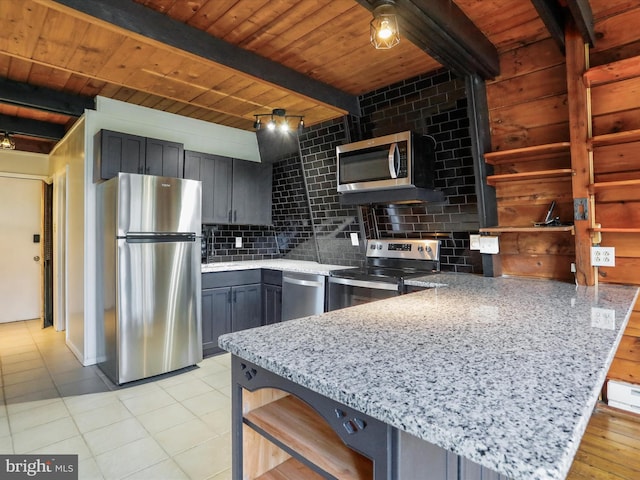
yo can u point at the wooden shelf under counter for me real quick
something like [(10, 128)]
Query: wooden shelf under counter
[(292, 425)]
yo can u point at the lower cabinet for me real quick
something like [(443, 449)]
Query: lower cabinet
[(231, 301), (271, 297)]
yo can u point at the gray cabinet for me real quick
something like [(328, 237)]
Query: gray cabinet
[(215, 173), (123, 152), (251, 195), (233, 191), (271, 296), (231, 301)]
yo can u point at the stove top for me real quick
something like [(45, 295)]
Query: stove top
[(391, 260)]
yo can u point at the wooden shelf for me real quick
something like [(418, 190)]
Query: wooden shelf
[(560, 228), (292, 468), (615, 138), (595, 187), (540, 174), (526, 153), (612, 72), (615, 230), (294, 426)]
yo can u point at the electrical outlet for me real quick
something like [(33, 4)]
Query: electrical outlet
[(604, 318), (573, 267), (489, 244), (603, 256), (238, 242)]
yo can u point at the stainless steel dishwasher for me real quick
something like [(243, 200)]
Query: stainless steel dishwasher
[(302, 295)]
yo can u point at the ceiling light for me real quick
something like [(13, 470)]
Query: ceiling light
[(384, 29), (279, 119), (7, 142)]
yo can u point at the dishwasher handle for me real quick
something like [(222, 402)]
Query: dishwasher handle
[(304, 283), (364, 283)]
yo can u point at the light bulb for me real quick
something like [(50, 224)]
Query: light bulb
[(385, 30)]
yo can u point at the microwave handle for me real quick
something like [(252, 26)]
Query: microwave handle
[(393, 154)]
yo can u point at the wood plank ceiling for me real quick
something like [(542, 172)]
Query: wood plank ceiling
[(53, 45)]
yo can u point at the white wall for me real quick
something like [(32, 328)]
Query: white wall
[(69, 154), (195, 134), (24, 163)]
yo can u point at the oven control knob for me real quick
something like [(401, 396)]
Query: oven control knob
[(372, 247), (380, 246), (421, 248)]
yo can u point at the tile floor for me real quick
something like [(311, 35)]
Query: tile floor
[(174, 427)]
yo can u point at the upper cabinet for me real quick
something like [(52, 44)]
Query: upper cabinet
[(123, 152), (233, 191)]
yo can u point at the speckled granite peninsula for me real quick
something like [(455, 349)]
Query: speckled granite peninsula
[(502, 371)]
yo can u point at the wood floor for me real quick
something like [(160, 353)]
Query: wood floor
[(610, 447)]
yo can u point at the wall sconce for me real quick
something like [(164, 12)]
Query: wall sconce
[(279, 119), (384, 29), (7, 142)]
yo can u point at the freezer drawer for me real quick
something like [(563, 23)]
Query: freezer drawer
[(158, 326), (624, 395)]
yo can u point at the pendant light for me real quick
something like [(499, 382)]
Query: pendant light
[(385, 33), (7, 142)]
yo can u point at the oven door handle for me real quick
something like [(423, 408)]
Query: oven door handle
[(393, 154), (364, 283)]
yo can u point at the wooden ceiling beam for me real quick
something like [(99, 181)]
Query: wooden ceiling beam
[(31, 128), (161, 28), (441, 29), (40, 98), (555, 17), (583, 17)]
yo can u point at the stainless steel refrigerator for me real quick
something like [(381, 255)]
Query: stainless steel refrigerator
[(151, 288)]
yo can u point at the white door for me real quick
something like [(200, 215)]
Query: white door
[(20, 220)]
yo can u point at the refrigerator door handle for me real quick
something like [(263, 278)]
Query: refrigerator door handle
[(160, 237)]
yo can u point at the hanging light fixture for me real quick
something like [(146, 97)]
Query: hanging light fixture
[(278, 119), (384, 29), (7, 142)]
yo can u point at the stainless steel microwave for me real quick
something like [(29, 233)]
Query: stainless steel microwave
[(400, 160)]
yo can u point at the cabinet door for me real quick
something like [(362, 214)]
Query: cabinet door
[(164, 158), (216, 317), (251, 193), (220, 172), (271, 304), (246, 307), (199, 166), (120, 152)]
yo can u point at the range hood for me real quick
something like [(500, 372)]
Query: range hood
[(396, 195)]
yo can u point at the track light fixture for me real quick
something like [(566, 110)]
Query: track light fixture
[(7, 142), (278, 119), (384, 29)]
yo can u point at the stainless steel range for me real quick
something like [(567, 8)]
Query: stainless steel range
[(389, 263)]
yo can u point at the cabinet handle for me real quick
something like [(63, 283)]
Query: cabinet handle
[(235, 297), (229, 215), (235, 216), (229, 296)]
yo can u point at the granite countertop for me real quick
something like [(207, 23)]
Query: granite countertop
[(503, 371), (300, 266)]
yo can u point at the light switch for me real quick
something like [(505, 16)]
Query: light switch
[(354, 239), (474, 242), (489, 244)]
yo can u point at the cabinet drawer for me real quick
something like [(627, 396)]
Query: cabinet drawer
[(624, 395), (230, 279), (272, 277)]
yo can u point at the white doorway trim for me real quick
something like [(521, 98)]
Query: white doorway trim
[(60, 215)]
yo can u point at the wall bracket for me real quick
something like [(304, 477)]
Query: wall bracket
[(580, 209)]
